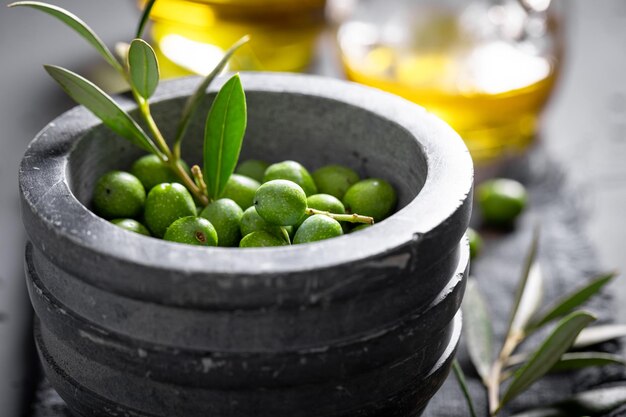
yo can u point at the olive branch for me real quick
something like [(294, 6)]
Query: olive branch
[(517, 371), (225, 124)]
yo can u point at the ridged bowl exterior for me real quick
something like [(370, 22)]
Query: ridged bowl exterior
[(361, 325)]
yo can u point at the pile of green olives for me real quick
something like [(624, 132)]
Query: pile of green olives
[(262, 204)]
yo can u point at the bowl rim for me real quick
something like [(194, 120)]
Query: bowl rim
[(46, 193)]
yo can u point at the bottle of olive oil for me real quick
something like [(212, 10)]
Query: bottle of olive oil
[(485, 67), (191, 36)]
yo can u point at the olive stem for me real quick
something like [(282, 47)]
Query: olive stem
[(495, 375), (170, 159), (188, 182), (352, 218), (285, 235), (197, 175), (144, 108)]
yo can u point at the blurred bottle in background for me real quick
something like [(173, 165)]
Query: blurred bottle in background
[(191, 36), (487, 67)]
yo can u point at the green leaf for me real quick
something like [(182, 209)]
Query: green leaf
[(599, 334), (572, 360), (544, 412), (572, 300), (478, 329), (193, 102), (521, 288), (144, 18), (460, 377), (531, 299), (578, 360), (596, 402), (143, 67), (223, 135), (99, 103), (75, 23), (547, 354)]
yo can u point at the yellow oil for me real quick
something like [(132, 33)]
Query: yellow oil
[(191, 36), (491, 92)]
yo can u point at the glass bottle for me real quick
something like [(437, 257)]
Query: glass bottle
[(487, 67), (192, 35)]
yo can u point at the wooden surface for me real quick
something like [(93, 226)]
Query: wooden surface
[(585, 131)]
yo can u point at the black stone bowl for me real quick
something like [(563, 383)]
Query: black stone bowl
[(364, 324)]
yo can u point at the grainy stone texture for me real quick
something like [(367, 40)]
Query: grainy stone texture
[(363, 324)]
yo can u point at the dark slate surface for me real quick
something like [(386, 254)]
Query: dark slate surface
[(567, 260)]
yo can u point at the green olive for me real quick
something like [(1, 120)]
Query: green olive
[(241, 189), (253, 168), (280, 202), (151, 171), (261, 238), (132, 225), (165, 204), (475, 242), (501, 201), (225, 215), (317, 227), (360, 227), (252, 222), (192, 230), (118, 194), (335, 180), (323, 202), (292, 171), (372, 197)]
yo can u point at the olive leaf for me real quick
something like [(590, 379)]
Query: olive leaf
[(478, 329), (531, 299), (599, 334), (193, 102), (578, 360), (144, 18), (223, 135), (460, 377), (544, 412), (143, 67), (571, 360), (75, 23), (594, 403), (572, 300), (547, 354), (521, 288), (102, 105)]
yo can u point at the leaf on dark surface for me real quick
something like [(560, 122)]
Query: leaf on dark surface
[(478, 329), (194, 101), (578, 360), (223, 135), (143, 67), (594, 403), (572, 300), (102, 105), (531, 300), (599, 334), (521, 288), (460, 377), (544, 412), (547, 354), (76, 24), (572, 360)]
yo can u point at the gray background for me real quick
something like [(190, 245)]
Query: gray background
[(585, 130)]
